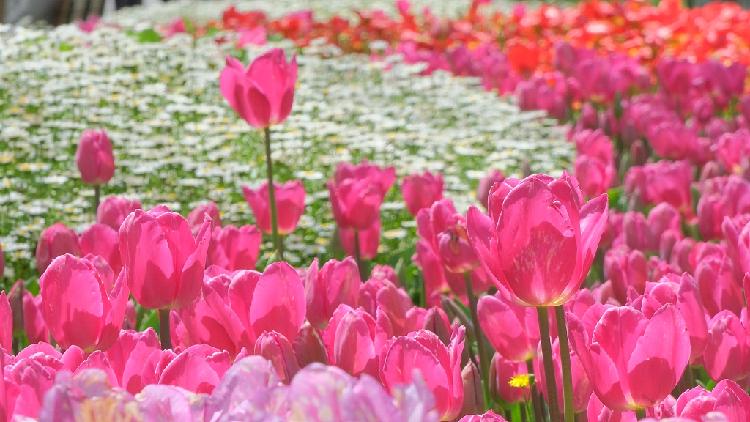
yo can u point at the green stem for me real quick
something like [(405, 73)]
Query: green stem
[(164, 335), (562, 335), (97, 196), (640, 414), (272, 197), (358, 257), (536, 403), (549, 369), (484, 360)]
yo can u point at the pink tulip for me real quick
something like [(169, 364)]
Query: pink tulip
[(512, 329), (582, 388), (663, 181), (163, 262), (80, 304), (33, 321), (54, 241), (133, 358), (596, 175), (277, 349), (198, 368), (501, 372), (393, 302), (353, 340), (632, 361), (485, 185), (113, 210), (542, 221), (337, 282), (727, 397), (101, 240), (597, 411), (278, 301), (357, 192), (198, 215), (727, 353), (385, 272), (309, 347), (6, 324), (628, 269), (719, 288), (255, 36), (290, 203), (262, 94), (369, 240), (488, 416), (439, 366), (94, 157), (421, 190), (234, 248)]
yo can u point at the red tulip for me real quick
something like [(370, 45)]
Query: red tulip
[(234, 248), (262, 94), (511, 329), (81, 304), (438, 365), (101, 240), (94, 157), (113, 210), (541, 222), (54, 241), (163, 262), (198, 215), (290, 203), (337, 282), (632, 361), (357, 192), (421, 190), (485, 185)]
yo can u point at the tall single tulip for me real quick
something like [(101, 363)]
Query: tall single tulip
[(290, 203), (95, 160), (335, 283), (421, 190), (82, 305), (54, 241)]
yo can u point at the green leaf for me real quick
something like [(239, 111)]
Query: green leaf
[(65, 46), (148, 35)]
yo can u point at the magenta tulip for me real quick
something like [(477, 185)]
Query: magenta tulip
[(6, 324), (163, 262), (234, 248), (421, 190), (369, 240), (33, 320), (81, 304), (488, 416), (541, 221), (198, 368), (262, 94), (439, 366), (632, 361), (114, 209), (663, 181), (102, 240), (512, 329), (628, 269), (357, 192), (336, 283), (278, 301), (94, 157), (485, 185), (290, 203), (198, 215), (353, 340), (133, 358), (54, 241), (277, 349), (727, 398), (727, 353)]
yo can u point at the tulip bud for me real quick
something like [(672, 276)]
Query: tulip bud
[(350, 339), (277, 349), (436, 320), (473, 399), (421, 191), (357, 192), (94, 157), (308, 347), (54, 241)]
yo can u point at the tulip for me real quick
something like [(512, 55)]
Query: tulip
[(133, 358), (309, 347), (113, 210), (198, 368), (435, 320), (485, 185), (597, 175), (278, 302), (719, 288), (727, 397), (421, 190), (581, 385), (263, 93), (80, 305), (234, 248), (276, 348), (290, 203), (337, 282), (511, 329), (198, 215), (472, 385), (353, 340), (439, 366), (54, 241), (101, 240), (501, 373), (33, 321), (368, 241), (632, 361), (488, 416), (727, 353), (663, 181), (597, 411), (357, 192), (95, 160), (628, 269), (6, 324)]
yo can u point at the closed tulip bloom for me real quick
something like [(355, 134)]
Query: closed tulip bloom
[(33, 321), (54, 241), (632, 361), (541, 242), (727, 353), (502, 371), (512, 329), (277, 349), (485, 185), (101, 240), (335, 283), (113, 210), (353, 341), (439, 366), (421, 190), (198, 215), (164, 263), (134, 357), (94, 157), (309, 347), (234, 248), (278, 301), (357, 192), (596, 175), (727, 397), (628, 269), (719, 288), (80, 304), (198, 369), (262, 94), (290, 204), (473, 399), (595, 144), (663, 181)]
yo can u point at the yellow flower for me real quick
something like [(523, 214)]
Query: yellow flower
[(520, 381)]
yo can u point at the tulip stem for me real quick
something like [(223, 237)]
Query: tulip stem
[(562, 334), (484, 363), (97, 196), (358, 256), (164, 335), (535, 403), (640, 414), (278, 246), (549, 369)]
